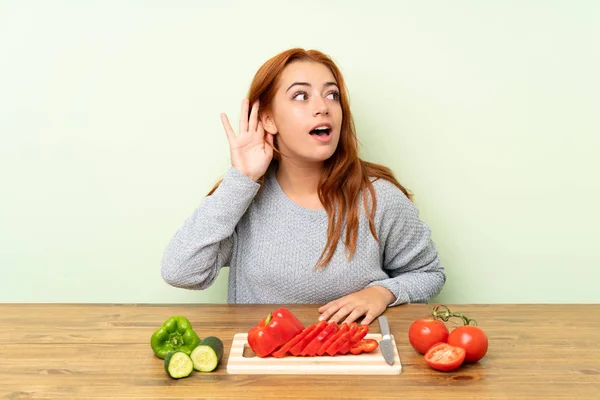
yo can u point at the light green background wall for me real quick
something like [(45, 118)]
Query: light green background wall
[(110, 134)]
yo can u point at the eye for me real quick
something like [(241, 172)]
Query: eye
[(299, 96), (335, 95)]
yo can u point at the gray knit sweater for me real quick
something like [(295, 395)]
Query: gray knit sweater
[(272, 244)]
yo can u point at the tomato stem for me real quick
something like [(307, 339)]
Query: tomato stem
[(443, 313)]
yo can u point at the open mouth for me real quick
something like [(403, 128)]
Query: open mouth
[(321, 131)]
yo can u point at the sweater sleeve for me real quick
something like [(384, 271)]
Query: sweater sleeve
[(204, 244), (410, 257)]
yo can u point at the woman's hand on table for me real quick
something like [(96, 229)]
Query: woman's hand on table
[(370, 303)]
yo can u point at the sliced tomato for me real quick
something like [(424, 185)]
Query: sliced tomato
[(445, 357), (364, 346), (297, 349), (312, 348), (343, 328), (282, 351)]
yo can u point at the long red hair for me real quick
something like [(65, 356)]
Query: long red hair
[(346, 177)]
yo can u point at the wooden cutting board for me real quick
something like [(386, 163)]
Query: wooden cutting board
[(243, 361)]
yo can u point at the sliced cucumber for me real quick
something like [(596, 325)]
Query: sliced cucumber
[(178, 364), (207, 354)]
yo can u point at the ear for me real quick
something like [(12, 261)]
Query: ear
[(268, 123)]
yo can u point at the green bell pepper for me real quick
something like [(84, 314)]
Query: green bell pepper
[(176, 334)]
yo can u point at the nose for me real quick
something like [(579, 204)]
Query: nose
[(320, 106)]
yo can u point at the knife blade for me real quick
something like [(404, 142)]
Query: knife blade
[(386, 344)]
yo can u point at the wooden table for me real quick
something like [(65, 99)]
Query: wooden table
[(55, 351)]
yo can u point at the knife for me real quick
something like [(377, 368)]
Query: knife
[(386, 344)]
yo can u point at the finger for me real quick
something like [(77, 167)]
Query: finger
[(326, 306), (370, 317), (244, 116), (253, 117), (228, 129), (340, 314), (328, 311), (260, 130), (354, 315)]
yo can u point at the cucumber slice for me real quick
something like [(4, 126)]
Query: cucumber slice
[(207, 354), (178, 364)]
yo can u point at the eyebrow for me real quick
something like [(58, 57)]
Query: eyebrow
[(309, 85)]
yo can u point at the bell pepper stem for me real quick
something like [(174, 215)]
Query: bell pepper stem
[(176, 339)]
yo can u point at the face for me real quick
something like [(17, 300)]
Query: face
[(306, 113)]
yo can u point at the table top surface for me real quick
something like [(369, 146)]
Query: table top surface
[(103, 351)]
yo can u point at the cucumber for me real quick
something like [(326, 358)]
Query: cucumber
[(178, 364), (207, 354)]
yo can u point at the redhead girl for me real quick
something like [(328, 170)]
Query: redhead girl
[(298, 217)]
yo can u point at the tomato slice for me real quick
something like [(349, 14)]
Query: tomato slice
[(445, 357), (297, 349), (312, 348), (364, 346), (286, 347), (342, 329)]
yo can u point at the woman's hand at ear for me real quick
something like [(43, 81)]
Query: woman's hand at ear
[(252, 150), (370, 303)]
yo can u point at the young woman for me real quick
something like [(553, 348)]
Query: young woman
[(299, 217)]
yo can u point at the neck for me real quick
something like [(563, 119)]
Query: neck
[(299, 178)]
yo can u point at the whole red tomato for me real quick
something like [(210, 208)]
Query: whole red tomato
[(424, 333), (471, 338)]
